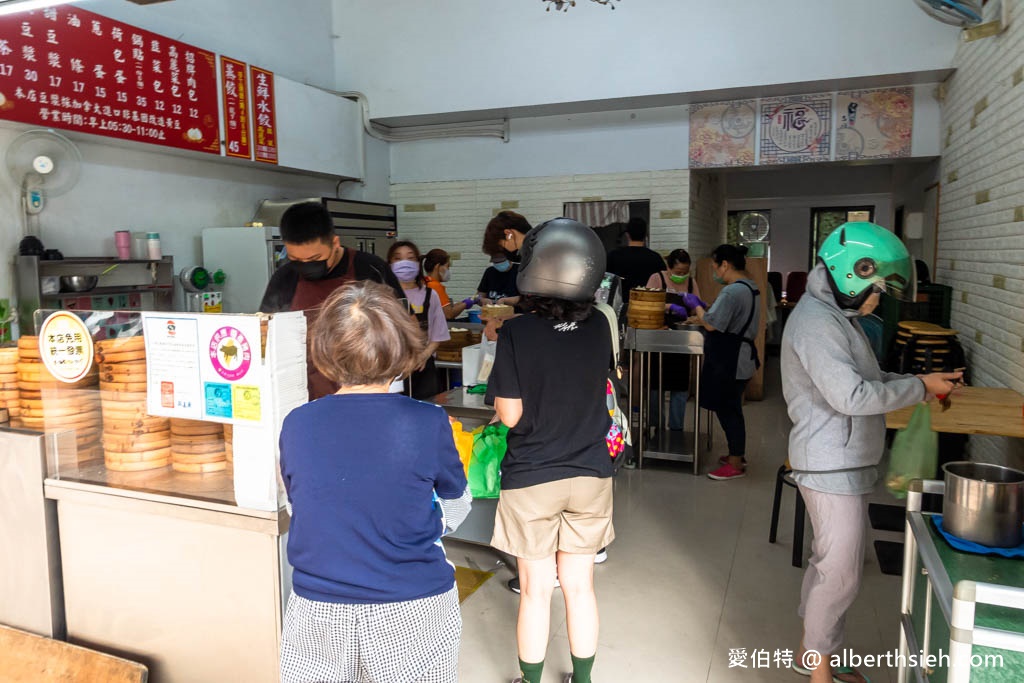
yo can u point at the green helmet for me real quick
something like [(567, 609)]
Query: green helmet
[(862, 257)]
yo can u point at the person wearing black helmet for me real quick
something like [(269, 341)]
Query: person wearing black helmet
[(548, 386)]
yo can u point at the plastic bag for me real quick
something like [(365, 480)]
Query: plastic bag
[(485, 467), (463, 444), (915, 452)]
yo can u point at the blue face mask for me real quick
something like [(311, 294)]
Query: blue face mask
[(502, 266)]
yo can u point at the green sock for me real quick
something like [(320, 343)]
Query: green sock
[(531, 672), (581, 668)]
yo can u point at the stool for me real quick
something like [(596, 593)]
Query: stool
[(785, 476)]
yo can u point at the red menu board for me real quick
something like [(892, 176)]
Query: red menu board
[(263, 110), (69, 68), (235, 90)]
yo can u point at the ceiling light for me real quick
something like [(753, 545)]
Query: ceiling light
[(564, 5), (15, 6)]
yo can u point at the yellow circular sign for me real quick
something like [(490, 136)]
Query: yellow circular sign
[(65, 346)]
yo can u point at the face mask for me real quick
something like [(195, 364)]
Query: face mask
[(311, 270), (512, 256), (679, 279), (718, 279), (405, 271), (446, 274), (502, 266)]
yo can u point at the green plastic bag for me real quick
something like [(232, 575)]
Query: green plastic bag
[(915, 452), (485, 467)]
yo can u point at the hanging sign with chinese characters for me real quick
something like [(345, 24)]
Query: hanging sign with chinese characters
[(263, 111), (72, 69), (235, 92), (65, 346)]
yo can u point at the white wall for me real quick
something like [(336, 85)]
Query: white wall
[(981, 236), (791, 193), (292, 39), (413, 57), (133, 188), (461, 210), (598, 142)]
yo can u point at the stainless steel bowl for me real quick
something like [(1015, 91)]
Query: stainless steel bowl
[(78, 283), (984, 503)]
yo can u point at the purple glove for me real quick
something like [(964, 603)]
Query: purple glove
[(676, 309), (470, 302), (692, 302)]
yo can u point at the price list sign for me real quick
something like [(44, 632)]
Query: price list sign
[(235, 91), (69, 68), (264, 113)]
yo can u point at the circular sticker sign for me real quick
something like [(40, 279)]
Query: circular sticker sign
[(230, 353), (65, 346), (795, 127)]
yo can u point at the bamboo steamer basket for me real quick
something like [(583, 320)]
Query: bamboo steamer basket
[(229, 448), (496, 312), (125, 466), (121, 344), (203, 468), (134, 442), (181, 427), (646, 309)]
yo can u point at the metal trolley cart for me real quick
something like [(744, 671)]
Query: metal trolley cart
[(979, 623), (688, 341)]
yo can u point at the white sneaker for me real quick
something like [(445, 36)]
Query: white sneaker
[(601, 556)]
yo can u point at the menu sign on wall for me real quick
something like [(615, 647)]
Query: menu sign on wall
[(263, 111), (235, 92), (69, 68)]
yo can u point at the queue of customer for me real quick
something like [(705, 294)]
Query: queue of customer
[(374, 596)]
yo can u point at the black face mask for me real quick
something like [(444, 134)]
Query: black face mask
[(512, 256), (311, 270)]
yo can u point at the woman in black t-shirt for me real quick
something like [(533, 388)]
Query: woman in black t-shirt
[(548, 386)]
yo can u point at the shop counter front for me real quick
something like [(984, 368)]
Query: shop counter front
[(164, 568)]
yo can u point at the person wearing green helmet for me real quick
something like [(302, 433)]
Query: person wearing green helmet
[(837, 397)]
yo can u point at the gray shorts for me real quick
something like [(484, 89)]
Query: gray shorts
[(398, 642)]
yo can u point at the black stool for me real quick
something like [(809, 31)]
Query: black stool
[(785, 476)]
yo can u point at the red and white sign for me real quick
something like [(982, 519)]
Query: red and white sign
[(264, 114), (69, 68), (235, 92)]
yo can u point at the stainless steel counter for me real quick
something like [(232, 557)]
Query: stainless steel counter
[(685, 340), (458, 403)]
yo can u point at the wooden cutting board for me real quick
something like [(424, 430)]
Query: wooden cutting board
[(973, 410)]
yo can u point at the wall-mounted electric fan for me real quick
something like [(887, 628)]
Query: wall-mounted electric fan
[(962, 13)]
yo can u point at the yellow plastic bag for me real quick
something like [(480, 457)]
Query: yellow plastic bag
[(463, 443)]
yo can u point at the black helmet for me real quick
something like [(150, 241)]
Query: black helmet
[(562, 259)]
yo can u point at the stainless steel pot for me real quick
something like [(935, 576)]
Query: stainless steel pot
[(984, 503)]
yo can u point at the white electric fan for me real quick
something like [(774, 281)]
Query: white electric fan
[(44, 164), (754, 227), (962, 13)]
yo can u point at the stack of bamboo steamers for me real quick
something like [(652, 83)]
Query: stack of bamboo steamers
[(9, 383), (197, 446), (46, 404), (133, 440)]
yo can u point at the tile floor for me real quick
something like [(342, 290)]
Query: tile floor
[(690, 576)]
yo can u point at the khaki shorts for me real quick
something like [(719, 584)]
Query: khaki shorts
[(569, 515)]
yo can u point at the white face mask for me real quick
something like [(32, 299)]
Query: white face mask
[(446, 274)]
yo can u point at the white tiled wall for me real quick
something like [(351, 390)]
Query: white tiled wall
[(981, 214), (458, 211), (707, 213)]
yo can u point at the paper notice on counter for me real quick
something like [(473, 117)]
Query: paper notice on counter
[(172, 366)]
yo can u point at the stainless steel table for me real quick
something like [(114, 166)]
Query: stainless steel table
[(687, 341)]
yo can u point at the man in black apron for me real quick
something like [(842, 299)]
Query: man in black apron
[(730, 357)]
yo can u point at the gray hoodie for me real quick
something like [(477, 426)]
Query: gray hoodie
[(836, 394)]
